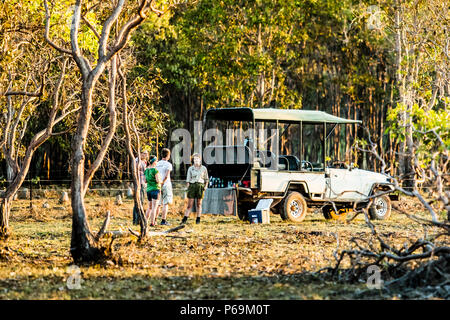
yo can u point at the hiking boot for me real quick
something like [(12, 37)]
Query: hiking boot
[(164, 223), (197, 221), (184, 220)]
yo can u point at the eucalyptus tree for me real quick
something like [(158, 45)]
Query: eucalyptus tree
[(141, 124), (420, 34), (29, 83), (113, 25)]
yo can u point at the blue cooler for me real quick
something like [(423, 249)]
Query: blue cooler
[(261, 214)]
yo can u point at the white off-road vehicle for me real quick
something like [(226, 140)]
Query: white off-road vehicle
[(290, 156)]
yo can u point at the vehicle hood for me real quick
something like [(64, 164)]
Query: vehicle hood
[(371, 177)]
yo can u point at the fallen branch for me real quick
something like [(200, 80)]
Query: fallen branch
[(117, 233), (389, 257), (157, 233), (443, 225), (105, 225)]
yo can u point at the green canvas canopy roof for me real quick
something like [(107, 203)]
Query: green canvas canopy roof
[(272, 114)]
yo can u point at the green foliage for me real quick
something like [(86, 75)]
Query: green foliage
[(307, 54), (239, 49), (428, 125), (422, 114), (35, 180), (258, 53)]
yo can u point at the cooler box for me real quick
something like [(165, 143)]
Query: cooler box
[(261, 214)]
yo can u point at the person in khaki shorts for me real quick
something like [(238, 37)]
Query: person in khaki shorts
[(197, 179), (165, 168)]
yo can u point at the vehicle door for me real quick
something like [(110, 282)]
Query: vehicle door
[(344, 184)]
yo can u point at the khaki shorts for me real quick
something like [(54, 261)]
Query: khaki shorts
[(196, 190), (166, 194)]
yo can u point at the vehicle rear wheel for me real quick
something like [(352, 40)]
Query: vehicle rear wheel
[(381, 208), (294, 207), (242, 209), (330, 214)]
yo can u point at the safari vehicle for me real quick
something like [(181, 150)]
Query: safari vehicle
[(287, 155)]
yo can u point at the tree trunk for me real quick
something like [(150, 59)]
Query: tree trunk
[(82, 246), (406, 148), (134, 168), (409, 181), (10, 172), (5, 208), (13, 187)]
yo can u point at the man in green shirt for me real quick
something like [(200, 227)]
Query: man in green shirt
[(153, 180)]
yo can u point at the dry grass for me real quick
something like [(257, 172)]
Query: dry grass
[(221, 258)]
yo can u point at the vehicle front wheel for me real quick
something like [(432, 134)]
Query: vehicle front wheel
[(330, 214), (294, 207), (381, 208)]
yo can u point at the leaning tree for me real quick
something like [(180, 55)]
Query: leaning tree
[(115, 23), (142, 124)]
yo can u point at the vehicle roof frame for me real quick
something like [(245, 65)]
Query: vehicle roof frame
[(277, 116), (274, 115)]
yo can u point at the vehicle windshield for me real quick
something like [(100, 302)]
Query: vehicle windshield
[(338, 143), (313, 147)]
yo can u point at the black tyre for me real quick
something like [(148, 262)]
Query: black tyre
[(326, 210), (242, 209), (294, 207), (381, 208), (330, 214)]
